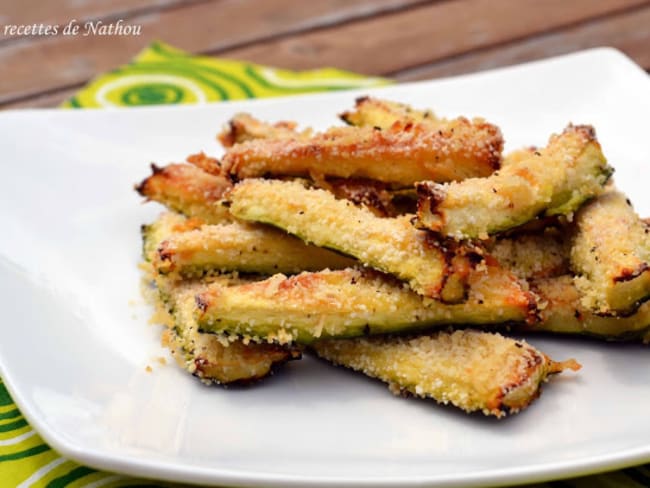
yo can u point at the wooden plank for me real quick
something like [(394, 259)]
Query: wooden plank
[(59, 12), (212, 26), (47, 100), (627, 32), (389, 44)]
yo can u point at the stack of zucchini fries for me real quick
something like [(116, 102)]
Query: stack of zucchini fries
[(399, 245)]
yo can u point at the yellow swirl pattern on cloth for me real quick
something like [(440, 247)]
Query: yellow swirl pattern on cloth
[(159, 75), (162, 74)]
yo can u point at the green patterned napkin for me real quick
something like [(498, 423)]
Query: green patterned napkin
[(162, 74)]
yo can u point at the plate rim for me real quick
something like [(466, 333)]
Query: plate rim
[(586, 465)]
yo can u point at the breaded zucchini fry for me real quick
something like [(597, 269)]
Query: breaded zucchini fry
[(400, 155), (562, 312), (203, 355), (553, 181), (241, 247), (206, 163), (611, 255), (188, 190), (156, 232), (349, 303), (382, 114), (391, 245), (244, 127), (472, 370)]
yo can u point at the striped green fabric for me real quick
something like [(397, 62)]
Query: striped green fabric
[(162, 74)]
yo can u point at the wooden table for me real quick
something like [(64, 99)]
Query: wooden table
[(402, 39)]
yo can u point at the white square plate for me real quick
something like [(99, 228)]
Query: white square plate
[(75, 340)]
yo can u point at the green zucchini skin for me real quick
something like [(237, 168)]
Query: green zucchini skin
[(564, 313), (244, 247), (556, 180), (350, 303)]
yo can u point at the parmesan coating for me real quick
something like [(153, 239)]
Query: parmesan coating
[(382, 114), (207, 356), (401, 154), (156, 232), (555, 180), (244, 127), (610, 254), (539, 255), (472, 370), (351, 302), (241, 247), (189, 190), (391, 245), (562, 312)]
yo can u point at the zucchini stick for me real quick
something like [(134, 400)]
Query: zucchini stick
[(401, 155), (241, 247), (153, 234), (244, 127), (472, 370), (562, 312), (189, 190), (391, 245), (553, 181), (349, 303), (382, 114), (611, 256), (204, 355)]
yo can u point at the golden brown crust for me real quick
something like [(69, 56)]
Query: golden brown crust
[(475, 371), (189, 190), (379, 113), (553, 181), (533, 255), (349, 303), (561, 312), (401, 155), (374, 195), (611, 255), (206, 163), (244, 127), (391, 245), (237, 246)]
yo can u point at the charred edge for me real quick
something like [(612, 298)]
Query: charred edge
[(448, 269), (362, 192), (628, 312), (164, 252), (532, 309), (201, 303), (288, 355), (142, 186), (533, 361), (430, 195), (586, 131), (230, 138), (495, 148), (629, 274), (361, 100), (346, 117)]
